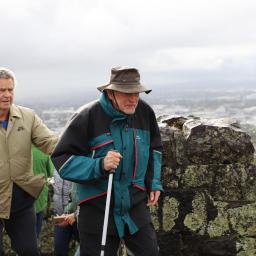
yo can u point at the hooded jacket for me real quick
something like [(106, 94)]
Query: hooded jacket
[(94, 130)]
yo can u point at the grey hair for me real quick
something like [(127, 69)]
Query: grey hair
[(7, 74)]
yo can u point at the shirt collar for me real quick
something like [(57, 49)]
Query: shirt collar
[(4, 124)]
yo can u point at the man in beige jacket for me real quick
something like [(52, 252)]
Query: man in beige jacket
[(19, 128)]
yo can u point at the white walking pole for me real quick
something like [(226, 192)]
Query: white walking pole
[(105, 225)]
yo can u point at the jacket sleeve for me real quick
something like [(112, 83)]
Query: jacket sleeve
[(71, 155), (42, 137), (153, 175), (61, 192), (71, 207)]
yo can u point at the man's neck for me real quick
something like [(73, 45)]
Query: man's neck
[(4, 114)]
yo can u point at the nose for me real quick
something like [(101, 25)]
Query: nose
[(134, 97), (7, 93)]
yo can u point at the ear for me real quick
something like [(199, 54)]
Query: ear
[(110, 94)]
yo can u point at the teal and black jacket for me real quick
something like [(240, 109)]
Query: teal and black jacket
[(94, 130)]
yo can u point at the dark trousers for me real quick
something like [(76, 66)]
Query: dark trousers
[(39, 222), (62, 238), (1, 237), (144, 242), (21, 228)]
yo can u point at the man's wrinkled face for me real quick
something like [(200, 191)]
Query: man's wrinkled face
[(124, 102), (6, 94)]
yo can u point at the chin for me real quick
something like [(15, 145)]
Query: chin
[(129, 112)]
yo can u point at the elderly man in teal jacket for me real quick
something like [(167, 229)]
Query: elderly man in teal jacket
[(120, 132)]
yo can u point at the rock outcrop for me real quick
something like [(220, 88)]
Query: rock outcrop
[(209, 203)]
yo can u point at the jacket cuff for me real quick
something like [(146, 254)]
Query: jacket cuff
[(156, 185), (102, 171)]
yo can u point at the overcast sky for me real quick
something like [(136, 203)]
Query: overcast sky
[(70, 46)]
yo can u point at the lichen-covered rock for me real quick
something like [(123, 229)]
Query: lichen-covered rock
[(208, 141), (243, 220), (174, 153), (209, 177), (170, 213), (195, 176), (155, 217), (232, 184), (197, 219), (219, 226), (216, 141), (7, 246), (225, 182), (246, 246), (176, 122)]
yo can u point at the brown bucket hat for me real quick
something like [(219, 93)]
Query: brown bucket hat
[(124, 79)]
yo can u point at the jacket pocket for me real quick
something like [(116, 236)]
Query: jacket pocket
[(100, 145), (32, 184)]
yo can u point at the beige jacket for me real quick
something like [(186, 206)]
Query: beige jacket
[(24, 128)]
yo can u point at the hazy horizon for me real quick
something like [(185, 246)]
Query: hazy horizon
[(159, 95)]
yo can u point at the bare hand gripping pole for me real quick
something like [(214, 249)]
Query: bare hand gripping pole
[(106, 215)]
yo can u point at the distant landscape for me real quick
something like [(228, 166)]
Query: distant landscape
[(236, 103)]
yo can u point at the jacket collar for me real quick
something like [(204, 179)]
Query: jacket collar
[(14, 111), (109, 109)]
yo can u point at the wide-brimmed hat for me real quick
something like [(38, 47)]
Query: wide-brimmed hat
[(124, 79)]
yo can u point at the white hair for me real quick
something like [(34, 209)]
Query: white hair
[(6, 73)]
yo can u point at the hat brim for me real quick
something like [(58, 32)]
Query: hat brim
[(128, 88)]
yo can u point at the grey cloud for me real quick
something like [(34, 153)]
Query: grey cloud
[(53, 44)]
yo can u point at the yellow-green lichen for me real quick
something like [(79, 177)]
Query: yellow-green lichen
[(246, 246), (196, 221), (170, 213), (154, 217), (243, 219), (220, 225)]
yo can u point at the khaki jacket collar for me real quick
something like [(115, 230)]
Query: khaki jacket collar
[(14, 112)]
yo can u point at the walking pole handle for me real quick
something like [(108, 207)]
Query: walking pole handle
[(106, 215)]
